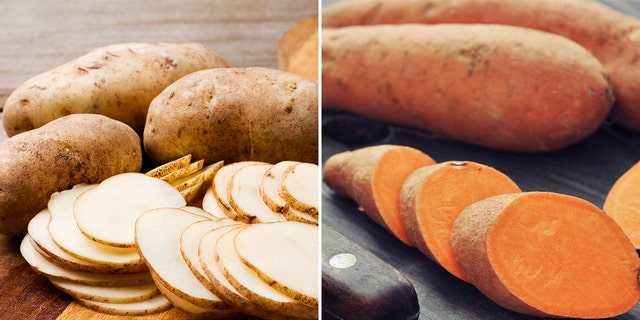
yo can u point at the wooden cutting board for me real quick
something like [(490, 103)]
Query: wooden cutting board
[(38, 35)]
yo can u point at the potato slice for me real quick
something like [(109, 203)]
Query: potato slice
[(39, 232), (207, 257), (284, 255), (158, 234), (299, 187), (125, 294), (189, 241), (190, 308), (151, 306), (271, 183), (246, 281), (43, 265), (221, 182), (65, 233), (107, 213), (211, 205), (171, 166), (200, 177), (243, 193), (183, 172), (299, 216)]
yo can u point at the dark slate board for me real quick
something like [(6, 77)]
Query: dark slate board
[(587, 170)]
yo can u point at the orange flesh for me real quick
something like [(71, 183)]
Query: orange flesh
[(445, 193), (564, 257), (387, 181), (623, 203)]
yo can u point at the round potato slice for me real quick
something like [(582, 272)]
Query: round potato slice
[(107, 214), (211, 205), (244, 195), (65, 233), (299, 187), (150, 306), (221, 184), (285, 255), (247, 282), (271, 183), (125, 294), (40, 263)]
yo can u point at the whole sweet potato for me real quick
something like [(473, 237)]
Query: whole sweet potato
[(497, 86), (235, 114), (118, 81), (612, 36), (78, 148)]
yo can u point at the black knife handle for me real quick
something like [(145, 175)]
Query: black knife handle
[(357, 285)]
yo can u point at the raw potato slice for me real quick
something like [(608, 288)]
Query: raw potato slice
[(42, 241), (65, 233), (194, 310), (249, 285), (221, 182), (189, 241), (151, 306), (205, 175), (211, 205), (285, 255), (299, 187), (158, 234), (183, 172), (126, 294), (299, 216), (243, 194), (220, 284), (271, 183), (41, 264), (171, 166), (201, 212), (107, 214)]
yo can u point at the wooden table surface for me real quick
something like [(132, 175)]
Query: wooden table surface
[(36, 36)]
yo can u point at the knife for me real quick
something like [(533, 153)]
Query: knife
[(357, 285)]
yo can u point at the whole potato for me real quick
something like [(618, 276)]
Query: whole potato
[(78, 148), (235, 114), (117, 81)]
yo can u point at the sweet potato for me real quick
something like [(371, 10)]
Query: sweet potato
[(497, 86), (433, 196), (547, 254), (372, 177), (78, 148), (613, 37), (623, 203)]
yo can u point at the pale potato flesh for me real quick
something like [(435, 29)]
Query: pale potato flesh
[(271, 183), (108, 213), (65, 233), (183, 172), (150, 306), (169, 167), (41, 264), (124, 294), (244, 195), (39, 233), (221, 182), (251, 286), (189, 248), (158, 234), (285, 254), (211, 205), (299, 187)]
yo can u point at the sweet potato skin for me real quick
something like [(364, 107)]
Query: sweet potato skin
[(613, 37), (359, 175), (78, 148), (479, 244), (497, 86)]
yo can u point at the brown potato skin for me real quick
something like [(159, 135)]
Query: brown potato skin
[(496, 86), (118, 81), (235, 114), (78, 148)]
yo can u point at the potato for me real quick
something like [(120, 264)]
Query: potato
[(235, 114), (78, 148), (298, 49), (117, 81)]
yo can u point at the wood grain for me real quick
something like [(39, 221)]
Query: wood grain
[(39, 35)]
